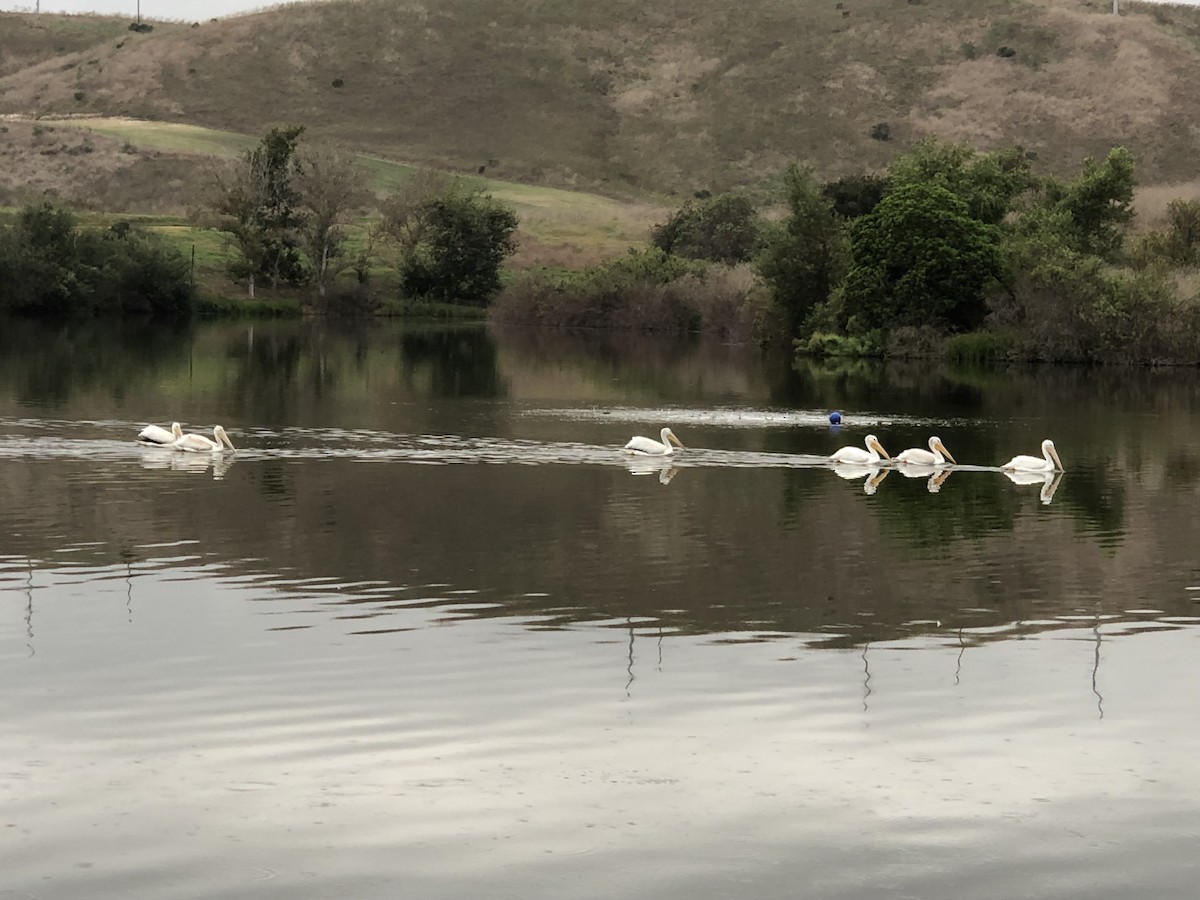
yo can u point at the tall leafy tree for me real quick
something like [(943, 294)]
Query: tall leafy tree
[(327, 183), (258, 205), (804, 256)]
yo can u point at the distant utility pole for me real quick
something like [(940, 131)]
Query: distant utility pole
[(1115, 13), (139, 3)]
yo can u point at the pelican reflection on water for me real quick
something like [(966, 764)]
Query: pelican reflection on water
[(1048, 480), (663, 468), (158, 456), (936, 475), (872, 476)]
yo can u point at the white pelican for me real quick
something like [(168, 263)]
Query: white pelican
[(1047, 462), (152, 434), (199, 443), (936, 455), (857, 457), (645, 446)]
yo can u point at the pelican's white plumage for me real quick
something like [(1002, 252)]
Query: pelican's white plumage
[(199, 443), (936, 455), (859, 457), (153, 434), (649, 447), (1047, 462)]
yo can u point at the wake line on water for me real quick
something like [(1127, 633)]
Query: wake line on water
[(422, 449), (733, 417)]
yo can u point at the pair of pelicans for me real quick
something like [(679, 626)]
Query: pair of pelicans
[(936, 456), (175, 439)]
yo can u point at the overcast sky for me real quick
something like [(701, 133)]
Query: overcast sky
[(186, 10)]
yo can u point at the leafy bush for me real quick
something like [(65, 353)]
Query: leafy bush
[(724, 229), (646, 290), (822, 344), (465, 240), (49, 266), (979, 347)]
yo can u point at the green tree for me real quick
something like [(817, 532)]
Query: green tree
[(257, 203), (805, 255), (464, 241), (724, 229), (987, 182), (327, 183), (855, 195), (1098, 204), (920, 258)]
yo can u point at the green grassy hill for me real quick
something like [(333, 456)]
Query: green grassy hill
[(637, 98)]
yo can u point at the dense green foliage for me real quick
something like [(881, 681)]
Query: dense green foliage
[(970, 254), (920, 258), (464, 241), (805, 256), (724, 229), (258, 205), (50, 266)]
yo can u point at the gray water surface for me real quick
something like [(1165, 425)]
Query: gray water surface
[(429, 634)]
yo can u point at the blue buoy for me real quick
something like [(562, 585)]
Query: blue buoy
[(835, 418)]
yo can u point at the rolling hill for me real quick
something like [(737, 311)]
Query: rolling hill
[(636, 98)]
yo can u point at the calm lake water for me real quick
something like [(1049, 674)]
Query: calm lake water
[(428, 634)]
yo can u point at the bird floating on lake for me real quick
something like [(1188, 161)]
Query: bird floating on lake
[(645, 446), (153, 434), (199, 443), (936, 455), (857, 456), (1047, 462)]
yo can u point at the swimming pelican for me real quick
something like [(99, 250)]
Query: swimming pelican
[(1048, 462), (858, 457), (152, 434), (936, 455), (199, 443), (649, 447)]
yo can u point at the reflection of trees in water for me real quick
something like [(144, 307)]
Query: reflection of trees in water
[(268, 363), (47, 363), (461, 362)]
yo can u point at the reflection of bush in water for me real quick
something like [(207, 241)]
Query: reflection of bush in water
[(462, 362), (46, 362)]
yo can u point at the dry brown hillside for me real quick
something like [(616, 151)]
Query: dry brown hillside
[(653, 96)]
